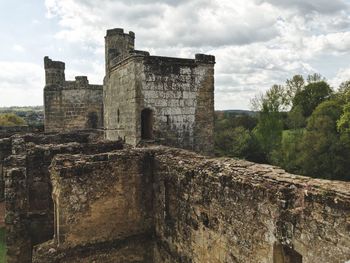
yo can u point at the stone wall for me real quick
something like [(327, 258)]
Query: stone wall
[(236, 211), (5, 151), (29, 206), (110, 204), (193, 209), (180, 93), (8, 131), (70, 105), (165, 100), (120, 102)]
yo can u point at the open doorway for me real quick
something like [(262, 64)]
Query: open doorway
[(92, 121), (146, 124), (285, 254)]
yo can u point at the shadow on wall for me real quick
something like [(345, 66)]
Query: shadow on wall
[(284, 254), (92, 121), (147, 124)]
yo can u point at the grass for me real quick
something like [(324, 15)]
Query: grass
[(2, 245)]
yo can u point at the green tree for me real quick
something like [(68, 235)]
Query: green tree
[(287, 155), (343, 124), (268, 131), (311, 96), (11, 119), (344, 89), (293, 86), (296, 119), (314, 78), (323, 152)]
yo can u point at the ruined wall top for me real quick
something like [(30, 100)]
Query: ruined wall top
[(50, 64), (203, 58), (54, 72), (118, 46), (119, 31)]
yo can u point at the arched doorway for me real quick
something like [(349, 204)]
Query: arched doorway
[(146, 124)]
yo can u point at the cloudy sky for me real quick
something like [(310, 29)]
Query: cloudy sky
[(256, 42)]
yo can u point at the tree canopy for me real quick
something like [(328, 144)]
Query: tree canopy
[(11, 119), (302, 126)]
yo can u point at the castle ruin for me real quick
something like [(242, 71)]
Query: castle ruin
[(70, 105), (86, 192), (166, 100)]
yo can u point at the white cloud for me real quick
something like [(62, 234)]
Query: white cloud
[(21, 84), (158, 24), (18, 48), (309, 6), (256, 42), (342, 75)]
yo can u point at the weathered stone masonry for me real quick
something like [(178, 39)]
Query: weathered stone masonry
[(192, 209), (70, 105), (29, 206), (169, 100), (73, 198), (165, 100)]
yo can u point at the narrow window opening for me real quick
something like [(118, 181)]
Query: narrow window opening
[(146, 124), (167, 119), (118, 115)]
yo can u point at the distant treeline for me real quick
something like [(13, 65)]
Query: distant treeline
[(19, 116), (302, 126)]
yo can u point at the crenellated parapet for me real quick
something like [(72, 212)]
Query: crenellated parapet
[(118, 45), (73, 104), (203, 58), (54, 72)]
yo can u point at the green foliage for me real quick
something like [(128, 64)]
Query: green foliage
[(11, 119), (274, 100), (314, 78), (233, 142), (268, 131), (311, 96), (296, 118), (323, 153), (343, 124), (344, 90), (287, 155), (234, 137), (293, 86), (2, 245), (32, 115), (317, 140)]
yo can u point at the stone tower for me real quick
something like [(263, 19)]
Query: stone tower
[(70, 105), (117, 45), (160, 99), (54, 72)]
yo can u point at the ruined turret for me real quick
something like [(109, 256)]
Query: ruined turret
[(118, 45), (70, 105), (54, 72)]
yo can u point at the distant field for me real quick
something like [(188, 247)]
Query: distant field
[(2, 245)]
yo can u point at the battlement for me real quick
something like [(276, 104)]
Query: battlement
[(51, 64), (82, 81), (118, 46), (54, 72), (119, 31), (203, 58)]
